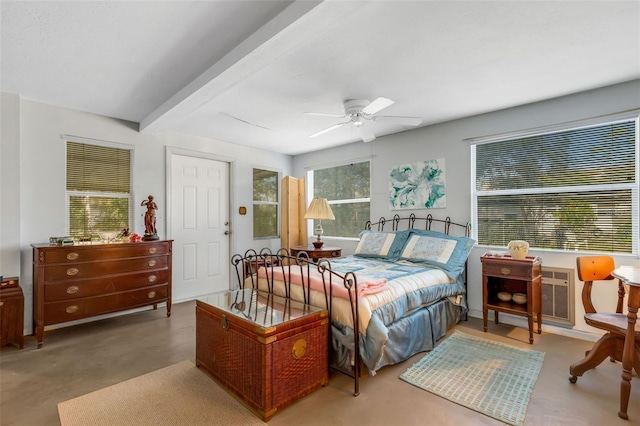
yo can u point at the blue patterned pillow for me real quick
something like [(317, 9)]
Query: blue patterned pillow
[(435, 249), (385, 245)]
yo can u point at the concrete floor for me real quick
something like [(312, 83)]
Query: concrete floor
[(83, 358)]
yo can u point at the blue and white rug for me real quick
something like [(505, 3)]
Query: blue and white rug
[(489, 377)]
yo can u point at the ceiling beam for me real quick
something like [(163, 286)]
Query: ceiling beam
[(293, 26)]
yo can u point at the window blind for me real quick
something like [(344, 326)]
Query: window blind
[(98, 190), (569, 190), (98, 168)]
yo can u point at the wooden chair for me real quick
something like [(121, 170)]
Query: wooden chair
[(599, 268)]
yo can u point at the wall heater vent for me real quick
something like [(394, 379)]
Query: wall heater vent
[(558, 296)]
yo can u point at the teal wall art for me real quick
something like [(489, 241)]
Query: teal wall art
[(418, 186)]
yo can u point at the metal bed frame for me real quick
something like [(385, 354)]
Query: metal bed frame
[(245, 266)]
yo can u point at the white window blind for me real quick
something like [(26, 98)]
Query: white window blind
[(575, 189), (98, 189)]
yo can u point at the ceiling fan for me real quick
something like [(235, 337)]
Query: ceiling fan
[(360, 112)]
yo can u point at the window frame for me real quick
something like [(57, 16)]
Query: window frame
[(310, 195), (96, 194), (277, 203), (634, 187)]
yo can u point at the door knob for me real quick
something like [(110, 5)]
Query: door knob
[(227, 232)]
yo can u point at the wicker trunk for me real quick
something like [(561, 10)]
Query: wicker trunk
[(266, 350)]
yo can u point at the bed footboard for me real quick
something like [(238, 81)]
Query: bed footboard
[(292, 277)]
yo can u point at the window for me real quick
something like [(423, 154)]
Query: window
[(98, 190), (265, 203), (570, 189), (348, 189)]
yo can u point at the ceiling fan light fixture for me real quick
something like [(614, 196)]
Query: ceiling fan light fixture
[(360, 110)]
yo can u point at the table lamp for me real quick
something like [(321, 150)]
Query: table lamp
[(319, 209)]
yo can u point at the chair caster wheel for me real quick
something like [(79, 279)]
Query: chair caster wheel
[(573, 379)]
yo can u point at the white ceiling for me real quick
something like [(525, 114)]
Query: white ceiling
[(246, 71)]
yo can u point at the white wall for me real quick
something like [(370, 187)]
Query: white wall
[(34, 155), (446, 141), (32, 172), (9, 190)]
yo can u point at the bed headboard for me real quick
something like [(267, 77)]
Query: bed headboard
[(411, 223)]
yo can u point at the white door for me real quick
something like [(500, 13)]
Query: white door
[(199, 226)]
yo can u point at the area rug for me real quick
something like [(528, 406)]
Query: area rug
[(489, 377), (177, 395)]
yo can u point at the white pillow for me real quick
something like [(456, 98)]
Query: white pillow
[(375, 244)]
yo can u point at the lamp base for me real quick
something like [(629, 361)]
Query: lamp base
[(318, 244)]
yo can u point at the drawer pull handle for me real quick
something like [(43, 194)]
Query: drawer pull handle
[(4, 283), (152, 278), (505, 271), (72, 256), (152, 250), (152, 262), (73, 289), (1, 303), (299, 348), (151, 294), (72, 271), (224, 321), (71, 309)]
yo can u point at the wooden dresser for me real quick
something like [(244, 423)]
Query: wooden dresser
[(75, 282)]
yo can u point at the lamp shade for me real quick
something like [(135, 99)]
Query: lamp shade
[(319, 209)]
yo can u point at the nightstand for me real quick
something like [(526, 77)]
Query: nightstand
[(11, 313), (252, 266), (315, 253), (505, 274)]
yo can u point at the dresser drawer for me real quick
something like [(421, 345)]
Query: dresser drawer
[(77, 271), (70, 310), (74, 289), (73, 254), (509, 270)]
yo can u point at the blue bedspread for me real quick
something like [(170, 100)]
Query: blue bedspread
[(409, 289)]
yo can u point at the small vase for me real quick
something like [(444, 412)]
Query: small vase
[(518, 249)]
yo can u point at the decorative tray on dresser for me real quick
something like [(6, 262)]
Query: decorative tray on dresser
[(81, 281)]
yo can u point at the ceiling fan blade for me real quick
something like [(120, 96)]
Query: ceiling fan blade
[(377, 105), (366, 134), (328, 129), (244, 121), (407, 121), (326, 114)]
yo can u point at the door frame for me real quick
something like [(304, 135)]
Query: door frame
[(170, 151)]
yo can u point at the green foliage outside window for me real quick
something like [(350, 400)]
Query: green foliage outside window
[(98, 184), (265, 203), (568, 190), (348, 189), (92, 216)]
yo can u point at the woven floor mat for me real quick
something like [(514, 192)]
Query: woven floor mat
[(177, 395), (489, 377)]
